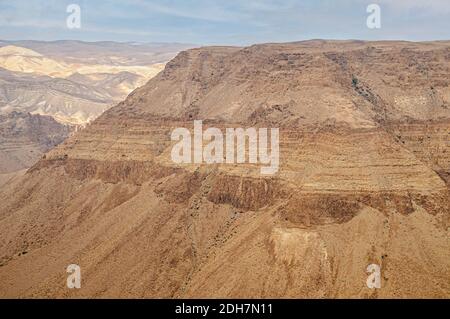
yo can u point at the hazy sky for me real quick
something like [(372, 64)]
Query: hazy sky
[(224, 22)]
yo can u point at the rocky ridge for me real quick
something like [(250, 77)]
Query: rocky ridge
[(364, 131)]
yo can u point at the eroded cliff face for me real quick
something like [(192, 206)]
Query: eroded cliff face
[(24, 138), (363, 179)]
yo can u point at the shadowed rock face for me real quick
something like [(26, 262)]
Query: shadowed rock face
[(24, 138), (363, 179)]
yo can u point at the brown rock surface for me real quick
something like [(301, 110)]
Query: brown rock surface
[(364, 166), (25, 137)]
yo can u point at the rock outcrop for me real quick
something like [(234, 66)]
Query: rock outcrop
[(363, 179)]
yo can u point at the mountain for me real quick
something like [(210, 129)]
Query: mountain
[(67, 101), (18, 59), (27, 61), (24, 138), (75, 100), (117, 85), (363, 179), (73, 81), (104, 52), (11, 50)]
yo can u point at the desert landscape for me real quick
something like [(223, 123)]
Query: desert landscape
[(49, 90), (364, 173)]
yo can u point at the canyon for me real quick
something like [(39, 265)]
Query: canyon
[(72, 82), (364, 177)]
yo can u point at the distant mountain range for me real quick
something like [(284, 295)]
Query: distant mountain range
[(105, 52), (363, 179), (24, 138), (73, 81)]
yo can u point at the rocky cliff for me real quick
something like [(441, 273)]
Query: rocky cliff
[(363, 179)]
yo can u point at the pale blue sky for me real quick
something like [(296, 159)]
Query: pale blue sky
[(224, 22)]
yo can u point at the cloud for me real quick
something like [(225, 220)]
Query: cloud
[(226, 22)]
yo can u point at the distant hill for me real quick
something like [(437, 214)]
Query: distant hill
[(67, 101), (24, 138), (75, 81), (105, 52)]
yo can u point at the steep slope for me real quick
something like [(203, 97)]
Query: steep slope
[(18, 59), (364, 156), (77, 100), (74, 81), (66, 101), (24, 138)]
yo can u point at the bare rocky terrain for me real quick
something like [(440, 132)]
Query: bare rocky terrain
[(24, 138), (363, 179), (67, 101), (72, 82), (72, 88)]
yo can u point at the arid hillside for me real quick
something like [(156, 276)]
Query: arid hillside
[(24, 138), (363, 179), (70, 91)]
